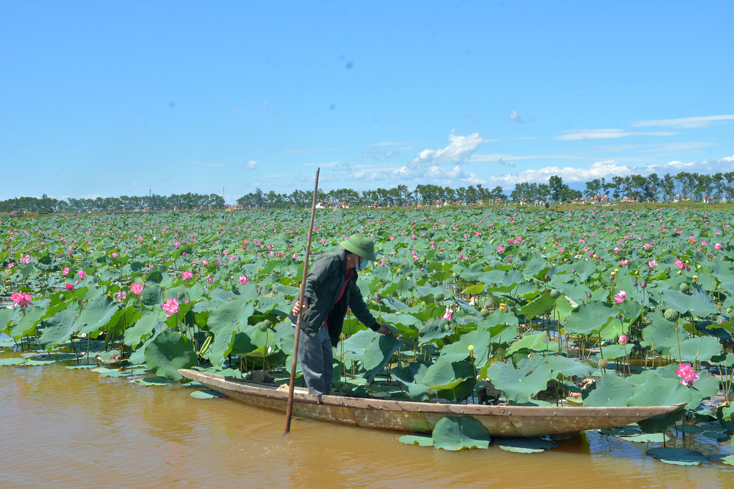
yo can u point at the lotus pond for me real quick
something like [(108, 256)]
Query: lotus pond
[(593, 307)]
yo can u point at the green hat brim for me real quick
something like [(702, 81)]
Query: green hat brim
[(357, 251)]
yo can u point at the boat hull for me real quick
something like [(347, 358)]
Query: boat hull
[(421, 417)]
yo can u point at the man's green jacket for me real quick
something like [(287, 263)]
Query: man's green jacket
[(324, 282)]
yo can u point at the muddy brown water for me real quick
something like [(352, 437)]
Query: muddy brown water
[(71, 428)]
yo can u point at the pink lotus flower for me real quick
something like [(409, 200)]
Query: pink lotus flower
[(647, 246), (11, 265), (620, 297), (136, 288), (69, 287), (120, 296), (114, 255), (616, 249), (22, 299), (717, 246), (187, 275), (623, 340), (171, 307), (624, 262), (447, 315), (500, 249), (679, 264), (652, 263), (25, 259), (687, 375), (82, 274), (243, 280), (561, 249)]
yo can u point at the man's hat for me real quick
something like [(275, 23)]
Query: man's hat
[(361, 245)]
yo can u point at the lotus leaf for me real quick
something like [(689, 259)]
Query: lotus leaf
[(454, 434), (699, 303), (678, 456), (169, 352), (531, 342), (523, 445), (518, 385), (659, 391), (590, 318), (609, 391), (420, 440), (58, 328)]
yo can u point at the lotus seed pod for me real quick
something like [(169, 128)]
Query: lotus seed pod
[(484, 312), (671, 315), (603, 363), (263, 326), (684, 287), (62, 297), (555, 294)]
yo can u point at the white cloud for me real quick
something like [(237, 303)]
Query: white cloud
[(683, 146), (580, 134), (514, 116), (250, 165), (135, 184), (215, 164), (608, 169), (459, 150), (686, 122)]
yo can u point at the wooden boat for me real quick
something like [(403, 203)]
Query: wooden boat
[(421, 417)]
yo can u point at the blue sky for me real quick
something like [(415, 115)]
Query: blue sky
[(119, 98)]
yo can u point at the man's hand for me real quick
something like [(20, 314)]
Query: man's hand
[(384, 329), (297, 309)]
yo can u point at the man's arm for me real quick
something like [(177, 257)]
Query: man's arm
[(360, 310)]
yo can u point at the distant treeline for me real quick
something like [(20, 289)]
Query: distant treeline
[(683, 185)]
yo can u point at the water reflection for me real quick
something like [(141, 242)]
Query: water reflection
[(72, 426)]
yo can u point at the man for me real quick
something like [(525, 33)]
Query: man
[(331, 288)]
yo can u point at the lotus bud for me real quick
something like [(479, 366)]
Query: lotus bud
[(643, 284), (634, 283)]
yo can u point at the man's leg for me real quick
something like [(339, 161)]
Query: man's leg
[(328, 354), (311, 356)]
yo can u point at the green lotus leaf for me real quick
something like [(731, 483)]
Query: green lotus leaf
[(646, 438), (538, 307), (225, 321), (420, 440), (58, 328), (378, 354), (523, 445), (142, 328), (609, 391), (25, 323), (700, 348), (446, 375), (590, 318), (479, 339), (152, 295), (699, 303), (661, 334), (96, 314), (531, 342), (518, 385), (169, 352), (659, 391), (12, 361), (454, 434), (678, 456), (206, 394)]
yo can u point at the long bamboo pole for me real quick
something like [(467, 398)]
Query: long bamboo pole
[(294, 363)]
